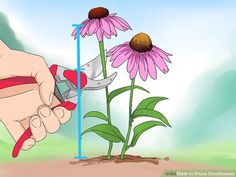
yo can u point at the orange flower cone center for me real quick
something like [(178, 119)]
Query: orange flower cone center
[(141, 42), (98, 13)]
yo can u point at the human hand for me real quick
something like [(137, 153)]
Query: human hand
[(16, 63), (28, 105)]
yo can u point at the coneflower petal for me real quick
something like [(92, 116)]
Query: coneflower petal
[(85, 21), (113, 49), (151, 67), (162, 53), (74, 32), (121, 59), (107, 35), (134, 71), (119, 51), (108, 25), (84, 24), (93, 28), (99, 34), (116, 24), (120, 46), (89, 26), (122, 22), (168, 54), (85, 29), (143, 70), (161, 64), (112, 28), (104, 24), (131, 62)]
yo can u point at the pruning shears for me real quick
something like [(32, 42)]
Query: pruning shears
[(69, 98)]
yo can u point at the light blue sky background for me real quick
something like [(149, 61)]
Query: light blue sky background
[(199, 34)]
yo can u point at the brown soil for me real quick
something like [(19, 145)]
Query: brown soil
[(132, 166), (116, 159)]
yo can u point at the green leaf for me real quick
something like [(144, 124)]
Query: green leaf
[(96, 114), (141, 128), (150, 102), (106, 131), (121, 90), (150, 113)]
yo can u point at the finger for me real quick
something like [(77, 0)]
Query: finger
[(62, 114), (30, 65), (29, 143), (46, 84), (37, 128), (49, 119), (16, 130)]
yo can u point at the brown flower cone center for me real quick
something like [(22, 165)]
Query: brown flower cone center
[(98, 13), (141, 42)]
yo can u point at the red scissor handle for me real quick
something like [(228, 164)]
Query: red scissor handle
[(22, 80), (71, 76), (14, 81)]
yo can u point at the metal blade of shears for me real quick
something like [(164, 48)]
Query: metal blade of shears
[(93, 68), (99, 84)]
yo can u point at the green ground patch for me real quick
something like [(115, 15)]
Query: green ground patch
[(53, 147), (222, 154), (57, 146)]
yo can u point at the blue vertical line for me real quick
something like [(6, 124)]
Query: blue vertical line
[(79, 92)]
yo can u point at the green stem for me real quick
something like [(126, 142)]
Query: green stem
[(125, 146), (104, 69)]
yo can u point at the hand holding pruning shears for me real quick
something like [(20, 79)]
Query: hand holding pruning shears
[(15, 63), (31, 105)]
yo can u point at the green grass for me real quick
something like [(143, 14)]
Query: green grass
[(53, 147), (222, 154), (56, 146)]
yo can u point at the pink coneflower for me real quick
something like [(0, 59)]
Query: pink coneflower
[(102, 23), (142, 56)]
